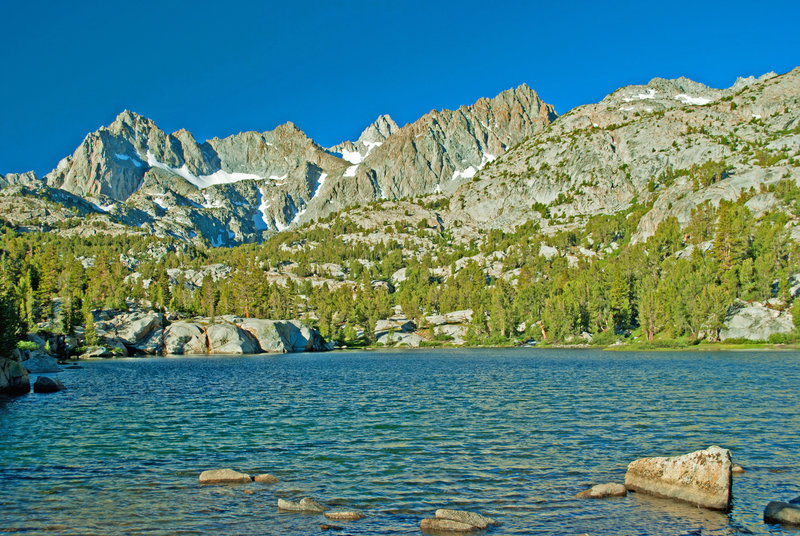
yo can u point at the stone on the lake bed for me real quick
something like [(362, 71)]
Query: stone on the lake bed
[(224, 476), (603, 490), (43, 384), (266, 478), (446, 525), (782, 513), (462, 516), (306, 504), (324, 526), (737, 469), (702, 478), (344, 515)]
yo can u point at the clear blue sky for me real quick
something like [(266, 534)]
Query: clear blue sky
[(218, 68)]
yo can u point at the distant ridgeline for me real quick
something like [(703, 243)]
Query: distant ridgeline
[(660, 214)]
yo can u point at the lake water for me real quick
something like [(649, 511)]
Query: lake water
[(511, 433)]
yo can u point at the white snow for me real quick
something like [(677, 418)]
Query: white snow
[(159, 200), (697, 101), (260, 217), (438, 189), (651, 94), (320, 182), (466, 174), (202, 181), (351, 171), (217, 203), (277, 178), (756, 116), (354, 157), (107, 208)]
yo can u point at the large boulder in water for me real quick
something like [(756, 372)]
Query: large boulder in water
[(40, 362), (43, 384), (230, 339), (266, 333), (306, 504), (177, 335), (14, 378), (782, 513), (702, 478)]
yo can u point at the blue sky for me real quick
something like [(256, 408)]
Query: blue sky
[(218, 68)]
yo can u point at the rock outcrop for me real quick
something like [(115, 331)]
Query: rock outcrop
[(224, 476), (14, 378), (755, 322), (702, 478)]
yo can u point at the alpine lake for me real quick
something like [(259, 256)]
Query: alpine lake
[(510, 433)]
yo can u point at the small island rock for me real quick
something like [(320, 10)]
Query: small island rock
[(702, 478), (782, 513), (224, 476), (737, 469), (603, 490), (266, 479), (43, 384)]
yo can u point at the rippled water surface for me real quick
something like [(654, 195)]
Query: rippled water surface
[(510, 433)]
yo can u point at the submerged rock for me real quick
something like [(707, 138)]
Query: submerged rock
[(445, 525), (266, 479), (43, 384), (603, 490), (344, 515), (325, 526), (782, 513), (224, 476), (306, 504), (702, 478), (470, 518)]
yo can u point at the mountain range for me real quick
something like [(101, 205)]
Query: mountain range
[(669, 145)]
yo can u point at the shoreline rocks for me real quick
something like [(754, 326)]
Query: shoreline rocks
[(702, 478), (224, 476), (14, 379)]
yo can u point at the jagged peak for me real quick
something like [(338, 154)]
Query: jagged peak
[(380, 129)]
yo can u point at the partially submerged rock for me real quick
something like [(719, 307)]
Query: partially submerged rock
[(445, 525), (782, 513), (702, 478), (43, 384), (463, 516), (306, 504), (344, 515), (737, 469), (224, 476), (266, 479), (603, 490)]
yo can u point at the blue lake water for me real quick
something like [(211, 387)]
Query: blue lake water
[(514, 434)]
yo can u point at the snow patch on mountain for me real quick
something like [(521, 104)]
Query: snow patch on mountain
[(202, 181)]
